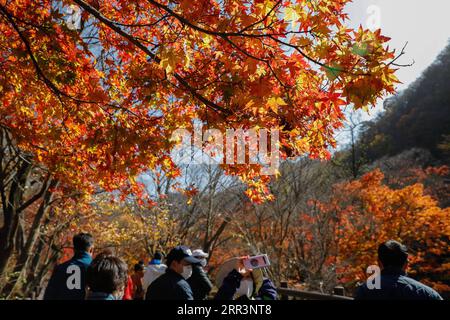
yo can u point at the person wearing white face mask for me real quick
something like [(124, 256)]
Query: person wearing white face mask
[(172, 285), (199, 281), (245, 289), (235, 282)]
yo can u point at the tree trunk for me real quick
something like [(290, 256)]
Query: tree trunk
[(25, 254), (8, 233)]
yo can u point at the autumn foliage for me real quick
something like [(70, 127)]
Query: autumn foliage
[(329, 241), (96, 105), (86, 112), (131, 231), (369, 212)]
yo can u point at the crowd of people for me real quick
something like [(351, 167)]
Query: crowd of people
[(183, 277)]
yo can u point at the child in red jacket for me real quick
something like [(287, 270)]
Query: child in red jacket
[(128, 293)]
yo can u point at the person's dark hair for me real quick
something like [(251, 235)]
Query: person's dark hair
[(107, 273), (82, 241), (138, 267), (158, 255), (106, 252), (392, 254)]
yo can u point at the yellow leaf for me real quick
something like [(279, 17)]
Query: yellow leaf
[(249, 104), (169, 61), (291, 14), (274, 103), (207, 39), (260, 71)]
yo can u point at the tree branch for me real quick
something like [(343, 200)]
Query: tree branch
[(111, 24)]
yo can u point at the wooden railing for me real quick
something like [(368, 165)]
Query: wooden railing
[(285, 293)]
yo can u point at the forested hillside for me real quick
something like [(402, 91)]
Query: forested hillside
[(418, 117)]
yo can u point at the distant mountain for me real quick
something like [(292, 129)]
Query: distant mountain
[(418, 117)]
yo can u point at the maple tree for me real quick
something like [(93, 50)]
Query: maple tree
[(96, 105), (131, 231), (369, 212)]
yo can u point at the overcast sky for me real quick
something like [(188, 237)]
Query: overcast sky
[(425, 25)]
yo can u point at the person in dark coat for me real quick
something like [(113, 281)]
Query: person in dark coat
[(172, 285), (394, 284), (138, 291), (68, 279), (199, 281)]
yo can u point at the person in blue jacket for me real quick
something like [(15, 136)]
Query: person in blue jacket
[(68, 281), (394, 284)]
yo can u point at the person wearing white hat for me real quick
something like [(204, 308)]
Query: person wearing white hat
[(200, 255), (199, 281)]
